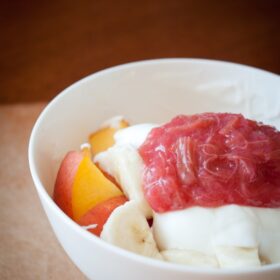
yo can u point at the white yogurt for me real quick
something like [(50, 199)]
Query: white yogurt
[(231, 235), (206, 229)]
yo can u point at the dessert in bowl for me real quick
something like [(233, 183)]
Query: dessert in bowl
[(144, 92)]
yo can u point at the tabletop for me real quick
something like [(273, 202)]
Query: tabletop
[(28, 247), (48, 45)]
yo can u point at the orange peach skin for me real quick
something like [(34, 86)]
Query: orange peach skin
[(103, 138), (80, 185), (64, 181), (90, 187), (100, 213)]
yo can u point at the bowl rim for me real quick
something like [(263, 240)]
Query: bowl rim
[(92, 238)]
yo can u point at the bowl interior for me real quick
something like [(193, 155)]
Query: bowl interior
[(151, 91)]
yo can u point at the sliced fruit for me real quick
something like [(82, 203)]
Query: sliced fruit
[(236, 257), (90, 187), (98, 215), (109, 176), (189, 257), (128, 228), (125, 165), (80, 185), (103, 138), (64, 181)]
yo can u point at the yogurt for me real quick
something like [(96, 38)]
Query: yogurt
[(226, 236)]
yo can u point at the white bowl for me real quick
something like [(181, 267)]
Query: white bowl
[(148, 91)]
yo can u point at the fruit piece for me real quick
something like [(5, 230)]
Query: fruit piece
[(211, 160), (134, 135), (109, 176), (90, 187), (103, 138), (128, 228), (99, 214), (80, 185), (125, 164), (189, 257), (64, 181), (237, 257)]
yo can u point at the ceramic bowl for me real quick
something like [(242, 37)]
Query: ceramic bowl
[(147, 91)]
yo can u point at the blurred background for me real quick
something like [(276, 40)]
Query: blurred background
[(47, 45)]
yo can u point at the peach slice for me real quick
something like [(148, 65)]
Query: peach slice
[(80, 185), (99, 214), (64, 181), (103, 138), (90, 187)]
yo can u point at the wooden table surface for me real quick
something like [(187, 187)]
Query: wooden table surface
[(28, 247), (47, 45)]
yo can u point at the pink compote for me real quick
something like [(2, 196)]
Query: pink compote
[(211, 160)]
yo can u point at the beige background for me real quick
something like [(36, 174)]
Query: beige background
[(48, 45), (28, 247)]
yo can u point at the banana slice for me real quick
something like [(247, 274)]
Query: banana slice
[(189, 257), (124, 163), (134, 135), (128, 228), (237, 257)]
